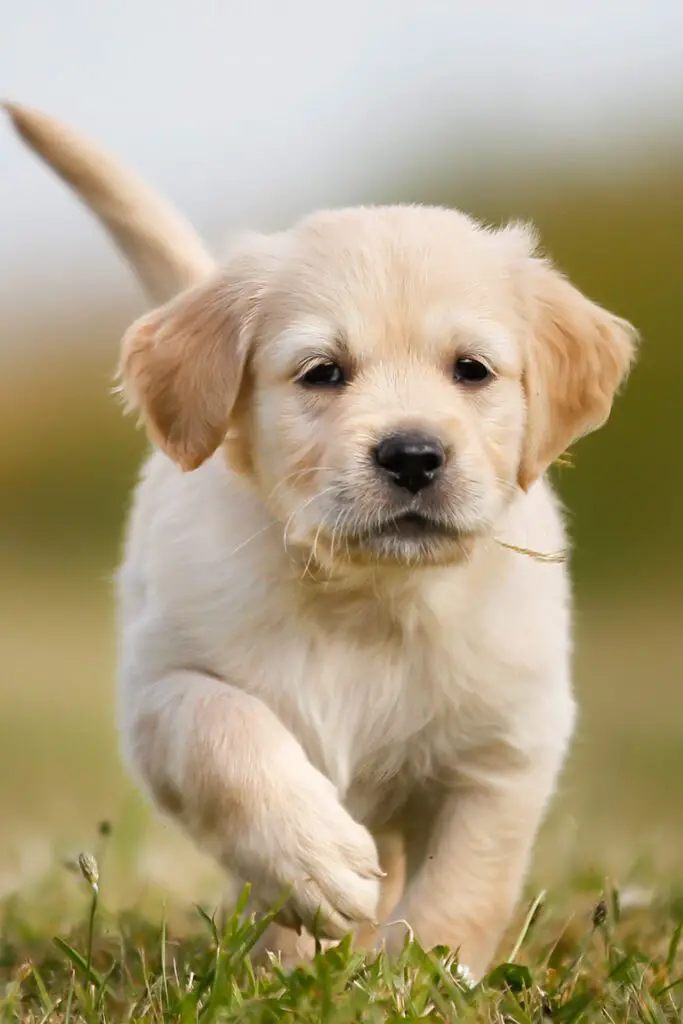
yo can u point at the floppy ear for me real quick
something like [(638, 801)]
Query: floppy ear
[(577, 356), (182, 365)]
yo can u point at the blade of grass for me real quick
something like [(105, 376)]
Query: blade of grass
[(79, 961), (528, 921)]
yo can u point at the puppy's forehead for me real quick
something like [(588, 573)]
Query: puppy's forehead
[(395, 276)]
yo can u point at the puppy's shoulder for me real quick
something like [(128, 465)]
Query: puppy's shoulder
[(183, 526)]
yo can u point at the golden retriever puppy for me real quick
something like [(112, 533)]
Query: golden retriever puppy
[(336, 671)]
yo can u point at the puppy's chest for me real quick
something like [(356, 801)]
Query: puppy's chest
[(371, 706)]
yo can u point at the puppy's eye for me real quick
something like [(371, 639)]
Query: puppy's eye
[(323, 375), (470, 371)]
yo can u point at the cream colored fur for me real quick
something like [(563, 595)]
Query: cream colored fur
[(305, 692)]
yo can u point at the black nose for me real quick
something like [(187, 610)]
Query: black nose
[(412, 459)]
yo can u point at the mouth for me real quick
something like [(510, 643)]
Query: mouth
[(412, 526), (408, 539)]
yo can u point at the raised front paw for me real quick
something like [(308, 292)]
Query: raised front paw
[(308, 847)]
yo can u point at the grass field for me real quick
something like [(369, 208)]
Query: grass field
[(581, 958), (612, 842)]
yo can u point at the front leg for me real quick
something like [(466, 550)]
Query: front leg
[(219, 761), (468, 852)]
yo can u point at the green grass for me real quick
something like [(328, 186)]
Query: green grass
[(580, 953), (614, 827)]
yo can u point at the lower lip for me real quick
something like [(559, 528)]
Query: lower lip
[(410, 526)]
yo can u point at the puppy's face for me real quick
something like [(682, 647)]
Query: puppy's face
[(388, 404), (389, 378)]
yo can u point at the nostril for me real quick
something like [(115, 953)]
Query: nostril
[(389, 455), (432, 460)]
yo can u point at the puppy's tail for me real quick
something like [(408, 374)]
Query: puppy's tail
[(163, 248)]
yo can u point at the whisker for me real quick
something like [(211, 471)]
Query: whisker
[(298, 473), (508, 485), (258, 533), (301, 508), (334, 532), (314, 547)]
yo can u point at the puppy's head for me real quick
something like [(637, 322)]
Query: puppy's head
[(388, 378)]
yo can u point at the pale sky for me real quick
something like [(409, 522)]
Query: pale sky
[(251, 112)]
